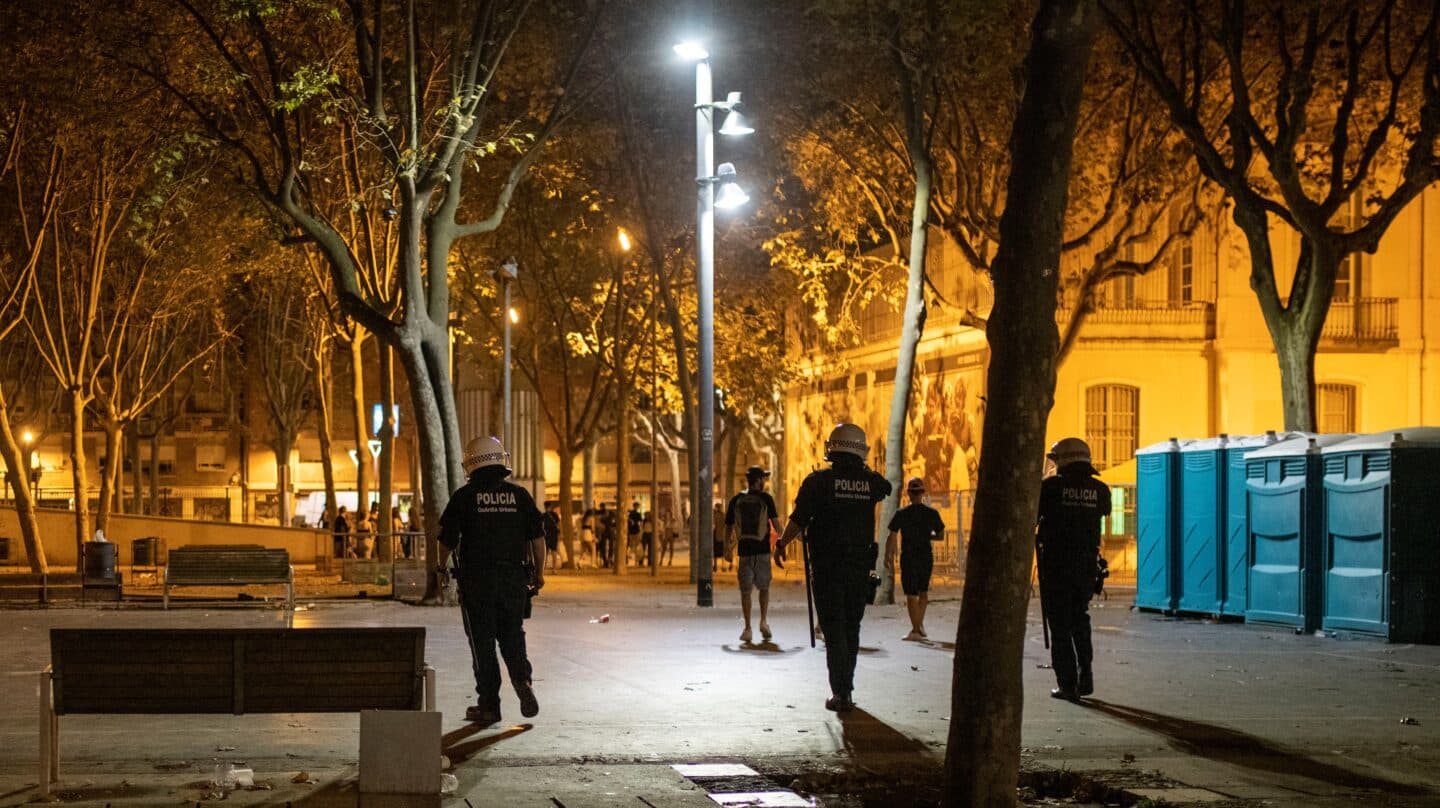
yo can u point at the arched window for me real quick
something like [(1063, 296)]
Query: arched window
[(1112, 423), (1335, 407)]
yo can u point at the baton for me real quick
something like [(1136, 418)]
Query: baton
[(809, 601), (1044, 617)]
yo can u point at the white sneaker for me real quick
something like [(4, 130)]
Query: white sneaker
[(765, 631), (746, 636)]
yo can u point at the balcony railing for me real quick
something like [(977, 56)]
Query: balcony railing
[(1144, 312), (1366, 319)]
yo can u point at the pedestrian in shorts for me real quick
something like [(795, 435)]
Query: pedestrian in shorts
[(917, 525), (749, 519)]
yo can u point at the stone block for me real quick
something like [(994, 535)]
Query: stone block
[(399, 752)]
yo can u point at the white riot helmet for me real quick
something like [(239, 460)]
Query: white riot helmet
[(1069, 450), (484, 453), (846, 439)]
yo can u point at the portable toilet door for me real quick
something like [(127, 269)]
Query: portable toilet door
[(1235, 553), (1199, 547), (1381, 549), (1283, 515), (1157, 489)]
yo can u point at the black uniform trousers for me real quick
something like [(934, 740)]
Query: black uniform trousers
[(841, 586), (493, 608), (1066, 597)]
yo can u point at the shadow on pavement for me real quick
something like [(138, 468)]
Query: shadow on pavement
[(1241, 749), (873, 744), (759, 648), (461, 752)]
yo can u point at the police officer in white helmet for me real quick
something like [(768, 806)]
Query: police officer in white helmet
[(497, 538), (835, 510), (1067, 543)]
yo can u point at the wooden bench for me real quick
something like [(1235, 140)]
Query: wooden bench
[(228, 671), (229, 565)]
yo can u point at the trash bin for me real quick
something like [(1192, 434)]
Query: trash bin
[(1235, 554), (1380, 548), (1157, 491), (99, 560), (147, 552), (1283, 505)]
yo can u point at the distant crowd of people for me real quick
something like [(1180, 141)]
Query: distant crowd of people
[(358, 535), (597, 536)]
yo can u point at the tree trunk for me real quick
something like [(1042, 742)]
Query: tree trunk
[(387, 455), (80, 476), (587, 477), (137, 479), (911, 331), (322, 422), (983, 753), (362, 434), (622, 480), (672, 459), (282, 445), (110, 475), (19, 465), (155, 473), (435, 474), (567, 508)]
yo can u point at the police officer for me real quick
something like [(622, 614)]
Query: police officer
[(835, 509), (1072, 503), (494, 531)]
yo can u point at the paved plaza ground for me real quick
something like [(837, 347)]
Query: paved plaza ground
[(1186, 710)]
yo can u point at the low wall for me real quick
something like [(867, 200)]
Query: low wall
[(57, 531)]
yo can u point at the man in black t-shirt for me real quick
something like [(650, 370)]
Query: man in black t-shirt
[(917, 525), (835, 509), (749, 519), (493, 529)]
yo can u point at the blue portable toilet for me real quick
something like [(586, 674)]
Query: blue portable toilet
[(1381, 536), (1211, 541), (1157, 516), (1235, 554), (1199, 549), (1283, 508)]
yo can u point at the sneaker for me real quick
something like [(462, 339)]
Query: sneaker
[(1064, 693), (839, 704), (765, 631), (746, 636), (529, 706), (1086, 686), (913, 636), (484, 716)]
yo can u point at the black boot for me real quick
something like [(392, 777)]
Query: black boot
[(1086, 685), (1065, 693)]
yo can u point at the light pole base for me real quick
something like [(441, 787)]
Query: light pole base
[(705, 592)]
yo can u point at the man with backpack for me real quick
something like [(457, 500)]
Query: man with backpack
[(749, 519)]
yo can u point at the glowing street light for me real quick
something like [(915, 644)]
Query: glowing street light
[(730, 196)]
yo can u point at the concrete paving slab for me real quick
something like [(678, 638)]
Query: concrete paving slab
[(1222, 707)]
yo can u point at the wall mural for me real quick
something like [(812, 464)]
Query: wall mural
[(942, 436)]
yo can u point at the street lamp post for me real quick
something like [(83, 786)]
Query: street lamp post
[(706, 178), (507, 273)]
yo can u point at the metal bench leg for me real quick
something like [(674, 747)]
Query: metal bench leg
[(166, 590), (49, 726), (290, 590), (429, 689)]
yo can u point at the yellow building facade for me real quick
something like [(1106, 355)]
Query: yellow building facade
[(1179, 352)]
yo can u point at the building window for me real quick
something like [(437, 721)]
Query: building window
[(1335, 407), (1112, 423), (209, 457), (1182, 274)]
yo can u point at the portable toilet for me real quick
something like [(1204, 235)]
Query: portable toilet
[(1381, 536), (1157, 493), (1235, 553), (1284, 511), (1199, 548), (1212, 542)]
